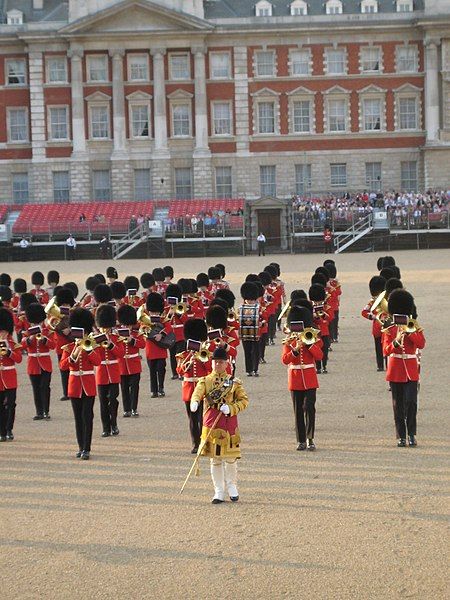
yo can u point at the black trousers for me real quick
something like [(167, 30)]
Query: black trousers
[(130, 391), (379, 353), (157, 367), (305, 413), (64, 378), (262, 345), (261, 248), (334, 326), (7, 410), (176, 348), (251, 353), (41, 391), (328, 247), (272, 330), (108, 394), (195, 422), (404, 403), (322, 364), (83, 411)]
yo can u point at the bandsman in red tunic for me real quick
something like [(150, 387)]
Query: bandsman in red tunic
[(336, 291), (52, 282), (322, 315), (223, 398), (168, 274), (111, 275), (160, 282), (218, 336), (37, 279), (61, 332), (197, 308), (377, 286), (102, 295), (20, 287), (203, 289), (177, 321), (148, 283), (118, 293), (300, 353), (401, 344), (132, 298), (88, 301), (157, 354), (222, 284), (81, 359), (10, 356), (131, 363)]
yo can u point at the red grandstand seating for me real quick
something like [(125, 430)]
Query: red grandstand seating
[(180, 208), (4, 209)]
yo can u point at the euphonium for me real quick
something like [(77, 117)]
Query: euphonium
[(143, 317), (380, 306)]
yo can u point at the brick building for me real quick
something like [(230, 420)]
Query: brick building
[(123, 99)]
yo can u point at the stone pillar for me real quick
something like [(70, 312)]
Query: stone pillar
[(201, 109), (119, 125), (432, 91), (37, 106), (78, 127), (241, 100), (161, 149)]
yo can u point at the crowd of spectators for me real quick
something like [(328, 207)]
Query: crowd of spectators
[(208, 222)]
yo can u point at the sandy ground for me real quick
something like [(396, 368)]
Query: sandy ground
[(360, 518)]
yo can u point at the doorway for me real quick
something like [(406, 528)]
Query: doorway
[(269, 224)]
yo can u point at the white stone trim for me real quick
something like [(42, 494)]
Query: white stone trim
[(298, 4), (369, 4), (336, 93), (266, 95), (298, 95), (262, 7), (332, 5)]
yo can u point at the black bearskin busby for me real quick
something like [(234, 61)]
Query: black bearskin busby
[(319, 278), (331, 269), (168, 271), (147, 280), (174, 291), (118, 290), (26, 299), (216, 317), (101, 278), (126, 315), (317, 293), (323, 271), (265, 278), (202, 280), (158, 274), (72, 286), (249, 291), (5, 293), (277, 267), (213, 273), (296, 294), (226, 295), (220, 302), (106, 316), (393, 284), (185, 286), (131, 282), (53, 277), (35, 313), (91, 283), (37, 278), (82, 317), (272, 269), (377, 285), (220, 354), (300, 313), (401, 302), (221, 268), (387, 273), (20, 285), (64, 296), (5, 279), (103, 293), (155, 302), (303, 302), (6, 320), (111, 273), (195, 329)]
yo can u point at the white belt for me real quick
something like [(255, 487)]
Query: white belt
[(39, 354), (80, 373), (191, 379), (10, 368), (177, 326), (109, 362), (297, 367), (404, 356), (131, 355)]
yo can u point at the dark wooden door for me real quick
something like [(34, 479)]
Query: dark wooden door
[(269, 225)]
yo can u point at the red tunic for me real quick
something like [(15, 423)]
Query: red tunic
[(152, 350), (82, 374), (403, 363), (131, 362), (108, 370), (191, 373), (8, 373), (41, 295), (39, 358), (302, 367), (367, 314)]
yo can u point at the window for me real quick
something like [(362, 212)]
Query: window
[(97, 68), (336, 61), (265, 64), (20, 191), (407, 108), (219, 65), (301, 116), (183, 183), (137, 67), (14, 17), (337, 114), (58, 128), (99, 122), (338, 174), (17, 125), (16, 72), (299, 7), (181, 120), (300, 61), (267, 175), (263, 9), (101, 185), (373, 176), (371, 114), (266, 117), (140, 120), (371, 60), (57, 70), (369, 6), (404, 5), (142, 186), (179, 67), (409, 175), (61, 187), (302, 179), (221, 118), (334, 7), (407, 59), (224, 183)]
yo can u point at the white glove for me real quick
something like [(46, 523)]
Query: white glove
[(194, 406), (225, 409)]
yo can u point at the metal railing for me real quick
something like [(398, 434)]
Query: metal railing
[(356, 231), (311, 221), (214, 227), (414, 219)]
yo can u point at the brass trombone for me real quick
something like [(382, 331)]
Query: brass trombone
[(412, 326), (180, 309)]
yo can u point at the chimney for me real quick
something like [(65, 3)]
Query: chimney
[(38, 4)]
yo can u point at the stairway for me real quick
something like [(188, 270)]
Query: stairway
[(357, 231), (128, 242), (5, 234)]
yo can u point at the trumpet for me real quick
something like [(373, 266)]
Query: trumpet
[(309, 336)]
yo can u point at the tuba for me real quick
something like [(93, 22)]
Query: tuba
[(53, 313), (144, 319), (380, 306)]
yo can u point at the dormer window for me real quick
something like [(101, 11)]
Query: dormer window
[(299, 8), (334, 7), (405, 6), (14, 17), (263, 9), (369, 6)]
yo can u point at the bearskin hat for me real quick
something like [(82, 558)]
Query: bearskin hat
[(265, 278), (202, 280), (56, 289), (5, 279), (387, 273), (319, 278), (300, 313), (185, 285), (126, 315), (393, 284), (91, 283), (64, 296), (118, 290), (155, 302), (260, 288), (168, 271), (401, 302), (249, 291), (323, 271), (72, 286), (396, 270), (220, 302), (101, 278), (174, 290), (5, 293), (213, 273), (103, 293), (377, 285), (331, 269), (380, 263), (158, 274), (105, 316), (26, 299), (35, 313), (82, 317), (317, 293), (194, 286), (147, 280), (328, 261), (195, 329), (6, 320), (388, 261), (298, 294), (216, 317), (37, 278), (226, 295), (303, 302), (131, 282), (253, 277), (272, 269), (277, 267), (52, 277), (221, 268), (111, 273)]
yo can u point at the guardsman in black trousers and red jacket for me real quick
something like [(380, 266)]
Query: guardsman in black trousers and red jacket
[(131, 363), (377, 286), (10, 356), (64, 300)]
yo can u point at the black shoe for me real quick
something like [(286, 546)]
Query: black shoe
[(64, 398), (249, 374), (115, 430), (9, 435), (217, 501), (127, 413), (262, 361), (106, 433), (318, 371), (311, 445), (234, 498), (401, 443), (153, 395), (38, 417), (324, 370), (194, 450), (2, 438), (85, 455), (161, 393), (78, 454), (336, 341), (301, 446), (47, 417), (380, 370), (174, 377), (412, 442), (134, 413)]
